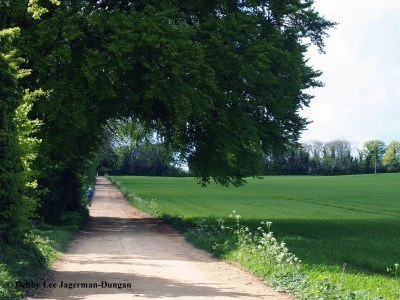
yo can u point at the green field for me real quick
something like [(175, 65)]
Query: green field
[(326, 221)]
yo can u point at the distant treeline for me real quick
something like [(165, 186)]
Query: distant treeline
[(144, 160), (336, 157), (130, 149)]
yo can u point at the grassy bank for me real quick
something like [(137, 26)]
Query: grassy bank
[(345, 229), (24, 261)]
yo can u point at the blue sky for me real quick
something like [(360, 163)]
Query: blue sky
[(361, 97)]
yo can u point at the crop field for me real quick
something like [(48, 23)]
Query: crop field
[(342, 224)]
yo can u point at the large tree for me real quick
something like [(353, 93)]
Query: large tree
[(374, 151), (221, 81), (391, 158)]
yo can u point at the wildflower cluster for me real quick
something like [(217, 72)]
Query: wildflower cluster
[(271, 251), (148, 205), (262, 244)]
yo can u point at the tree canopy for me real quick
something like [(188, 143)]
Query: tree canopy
[(222, 82)]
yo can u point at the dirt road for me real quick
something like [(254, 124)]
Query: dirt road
[(148, 260)]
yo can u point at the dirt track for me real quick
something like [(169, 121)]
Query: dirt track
[(123, 245)]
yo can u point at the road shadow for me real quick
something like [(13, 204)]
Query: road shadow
[(140, 286)]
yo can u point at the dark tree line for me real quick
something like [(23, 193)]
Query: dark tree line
[(337, 157)]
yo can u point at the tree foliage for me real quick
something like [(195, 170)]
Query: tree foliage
[(374, 151), (391, 158), (222, 82), (17, 143)]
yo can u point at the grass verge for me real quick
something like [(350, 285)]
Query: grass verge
[(22, 262), (228, 239)]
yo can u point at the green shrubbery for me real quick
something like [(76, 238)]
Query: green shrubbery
[(12, 224), (25, 260), (24, 250), (22, 262)]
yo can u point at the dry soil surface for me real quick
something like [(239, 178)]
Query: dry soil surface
[(122, 245)]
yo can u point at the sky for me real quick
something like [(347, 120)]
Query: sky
[(361, 72)]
